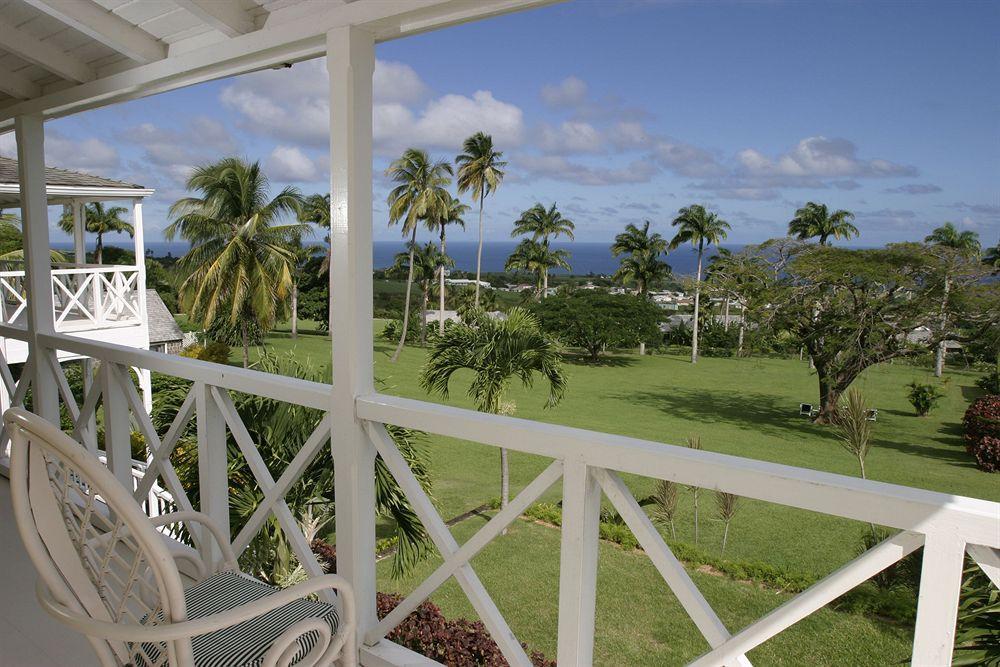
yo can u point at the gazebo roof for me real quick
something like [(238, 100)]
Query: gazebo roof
[(62, 185)]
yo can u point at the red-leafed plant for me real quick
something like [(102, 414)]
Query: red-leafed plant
[(982, 432)]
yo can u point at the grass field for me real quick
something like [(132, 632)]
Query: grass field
[(745, 407)]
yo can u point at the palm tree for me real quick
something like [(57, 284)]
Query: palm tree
[(814, 220), (316, 210), (453, 216), (721, 257), (427, 263), (480, 170), (537, 258), (963, 244), (240, 261), (99, 220), (463, 301), (542, 224), (698, 227), (992, 256), (497, 352), (642, 264), (420, 197)]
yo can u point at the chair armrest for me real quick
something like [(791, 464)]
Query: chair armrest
[(228, 557), (200, 626)]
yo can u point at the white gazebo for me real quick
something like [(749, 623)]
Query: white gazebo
[(60, 57)]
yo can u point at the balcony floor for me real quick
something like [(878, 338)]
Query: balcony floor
[(29, 636)]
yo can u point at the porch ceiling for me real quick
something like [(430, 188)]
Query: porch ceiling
[(62, 56)]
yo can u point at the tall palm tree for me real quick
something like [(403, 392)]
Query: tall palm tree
[(316, 210), (814, 220), (99, 220), (420, 196), (641, 264), (497, 352), (698, 227), (538, 258), (453, 216), (542, 224), (963, 244), (480, 171), (427, 263), (240, 261)]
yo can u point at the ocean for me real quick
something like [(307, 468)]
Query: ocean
[(585, 257)]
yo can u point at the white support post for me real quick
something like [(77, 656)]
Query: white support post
[(937, 602), (146, 388), (117, 425), (213, 477), (578, 564), (140, 263), (30, 137), (351, 66), (87, 367), (79, 233)]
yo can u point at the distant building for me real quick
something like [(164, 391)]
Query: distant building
[(467, 281), (164, 333), (435, 316)]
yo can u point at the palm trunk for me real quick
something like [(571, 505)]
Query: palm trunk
[(642, 348), (725, 538), (295, 310), (98, 249), (725, 315), (697, 301), (441, 285), (939, 360), (504, 479), (425, 300), (406, 303), (479, 250), (246, 344), (545, 283), (743, 326)]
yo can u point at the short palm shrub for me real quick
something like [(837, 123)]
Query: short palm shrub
[(982, 432), (924, 397), (977, 635)]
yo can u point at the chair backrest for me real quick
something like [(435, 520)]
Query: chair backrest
[(92, 545)]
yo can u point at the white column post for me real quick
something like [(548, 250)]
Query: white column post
[(937, 602), (87, 367), (351, 65), (117, 425), (140, 263), (213, 475), (79, 235), (30, 136), (578, 564), (146, 388)]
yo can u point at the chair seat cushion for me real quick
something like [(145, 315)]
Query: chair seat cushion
[(245, 644)]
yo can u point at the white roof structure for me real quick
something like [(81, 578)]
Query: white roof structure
[(62, 56)]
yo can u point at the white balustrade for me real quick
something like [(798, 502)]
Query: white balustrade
[(590, 466), (92, 296)]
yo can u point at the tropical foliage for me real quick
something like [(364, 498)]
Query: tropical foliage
[(597, 321), (543, 224), (480, 173), (815, 220), (641, 263), (99, 220), (241, 260)]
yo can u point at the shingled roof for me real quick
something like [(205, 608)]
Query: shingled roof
[(54, 176), (163, 327)]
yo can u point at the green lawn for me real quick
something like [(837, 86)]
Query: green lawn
[(745, 407)]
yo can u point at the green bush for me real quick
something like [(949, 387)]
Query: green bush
[(923, 397), (977, 636), (215, 351), (990, 383)]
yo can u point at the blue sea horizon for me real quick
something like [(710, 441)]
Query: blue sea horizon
[(586, 258)]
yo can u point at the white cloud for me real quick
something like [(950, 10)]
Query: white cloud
[(570, 137), (292, 105), (569, 92), (560, 169), (290, 165), (818, 157), (177, 151), (913, 189), (89, 154), (686, 160)]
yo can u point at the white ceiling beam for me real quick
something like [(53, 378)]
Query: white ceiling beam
[(278, 43), (226, 17), (45, 55), (18, 85), (106, 27)]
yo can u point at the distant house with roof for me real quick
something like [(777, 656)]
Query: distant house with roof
[(164, 333)]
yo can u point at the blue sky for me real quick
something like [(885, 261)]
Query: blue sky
[(623, 111)]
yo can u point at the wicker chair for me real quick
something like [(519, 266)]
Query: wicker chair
[(106, 572)]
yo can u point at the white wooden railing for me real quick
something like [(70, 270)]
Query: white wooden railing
[(92, 296), (590, 466)]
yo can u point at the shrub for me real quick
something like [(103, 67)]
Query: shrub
[(923, 397), (990, 383), (982, 432), (216, 351), (977, 636), (452, 642)]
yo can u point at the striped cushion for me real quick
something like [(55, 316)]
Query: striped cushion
[(245, 644)]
